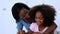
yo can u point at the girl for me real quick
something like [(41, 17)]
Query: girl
[(43, 16)]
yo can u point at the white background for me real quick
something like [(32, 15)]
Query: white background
[(7, 22)]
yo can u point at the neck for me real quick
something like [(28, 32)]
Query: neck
[(41, 25)]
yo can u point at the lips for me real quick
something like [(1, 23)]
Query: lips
[(39, 23)]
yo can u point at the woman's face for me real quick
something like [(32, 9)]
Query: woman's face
[(39, 18), (27, 16), (23, 12)]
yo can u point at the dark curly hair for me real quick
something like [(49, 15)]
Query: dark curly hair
[(16, 9), (47, 11)]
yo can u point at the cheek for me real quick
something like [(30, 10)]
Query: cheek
[(22, 14), (42, 21), (39, 22), (36, 19)]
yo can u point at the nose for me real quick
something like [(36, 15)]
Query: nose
[(37, 20)]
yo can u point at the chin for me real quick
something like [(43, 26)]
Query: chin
[(38, 23)]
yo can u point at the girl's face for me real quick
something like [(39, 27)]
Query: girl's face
[(23, 12), (39, 18)]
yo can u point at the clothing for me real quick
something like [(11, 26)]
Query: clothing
[(22, 22), (34, 28)]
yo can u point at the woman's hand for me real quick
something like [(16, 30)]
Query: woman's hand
[(21, 32), (36, 33)]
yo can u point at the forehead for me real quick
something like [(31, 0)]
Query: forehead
[(38, 14), (24, 9)]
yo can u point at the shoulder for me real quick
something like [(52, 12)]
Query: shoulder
[(20, 21), (33, 25)]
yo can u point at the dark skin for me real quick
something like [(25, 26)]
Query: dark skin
[(50, 30), (22, 14), (54, 26), (21, 32)]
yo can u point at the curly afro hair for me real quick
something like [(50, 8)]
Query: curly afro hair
[(47, 11)]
